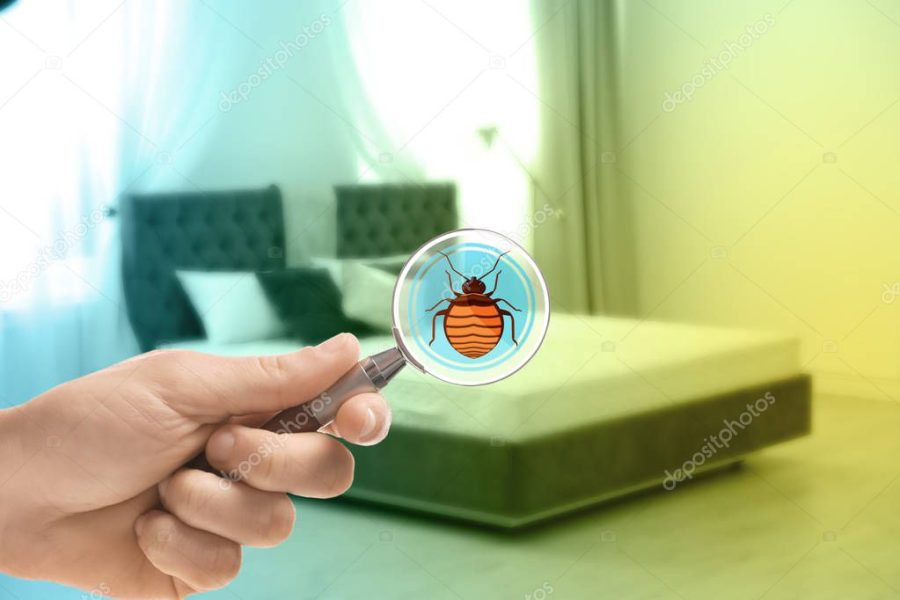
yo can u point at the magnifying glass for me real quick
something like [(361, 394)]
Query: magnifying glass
[(470, 307)]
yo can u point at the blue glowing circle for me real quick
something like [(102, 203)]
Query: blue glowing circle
[(425, 289)]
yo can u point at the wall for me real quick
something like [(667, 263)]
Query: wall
[(768, 199)]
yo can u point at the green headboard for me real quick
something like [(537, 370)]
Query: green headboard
[(233, 230), (385, 219), (244, 230)]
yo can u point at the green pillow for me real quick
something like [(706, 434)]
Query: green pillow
[(309, 303)]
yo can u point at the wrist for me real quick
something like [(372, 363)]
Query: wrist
[(12, 444), (12, 457)]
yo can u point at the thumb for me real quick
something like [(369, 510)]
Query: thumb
[(222, 387)]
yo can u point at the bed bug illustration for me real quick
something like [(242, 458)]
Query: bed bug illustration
[(473, 323)]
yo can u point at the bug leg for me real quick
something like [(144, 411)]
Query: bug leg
[(496, 280), (434, 321), (437, 303), (499, 300), (512, 323), (497, 262), (450, 283), (450, 262)]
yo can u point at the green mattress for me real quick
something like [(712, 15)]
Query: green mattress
[(607, 407)]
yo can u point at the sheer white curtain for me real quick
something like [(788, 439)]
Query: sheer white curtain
[(99, 99), (428, 76)]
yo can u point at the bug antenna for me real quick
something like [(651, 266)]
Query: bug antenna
[(451, 265), (495, 265)]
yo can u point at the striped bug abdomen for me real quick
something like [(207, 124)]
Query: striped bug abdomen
[(473, 325)]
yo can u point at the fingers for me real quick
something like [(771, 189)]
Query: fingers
[(229, 509), (202, 560), (363, 420), (306, 464), (212, 388)]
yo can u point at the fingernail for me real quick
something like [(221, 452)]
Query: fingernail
[(369, 424), (162, 488), (385, 426), (139, 525), (335, 343), (219, 448)]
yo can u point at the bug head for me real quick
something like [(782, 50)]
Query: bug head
[(473, 285)]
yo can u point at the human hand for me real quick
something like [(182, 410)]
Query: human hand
[(92, 493)]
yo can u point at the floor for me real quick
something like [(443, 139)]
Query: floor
[(813, 518)]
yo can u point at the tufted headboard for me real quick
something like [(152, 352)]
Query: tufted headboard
[(385, 219), (234, 230)]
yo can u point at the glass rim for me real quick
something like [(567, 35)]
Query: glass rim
[(399, 336)]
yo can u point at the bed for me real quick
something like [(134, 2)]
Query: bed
[(609, 406)]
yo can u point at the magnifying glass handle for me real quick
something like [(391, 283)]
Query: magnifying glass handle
[(368, 375)]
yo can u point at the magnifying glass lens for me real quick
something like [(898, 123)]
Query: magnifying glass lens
[(470, 307)]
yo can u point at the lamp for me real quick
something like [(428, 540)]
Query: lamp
[(489, 134)]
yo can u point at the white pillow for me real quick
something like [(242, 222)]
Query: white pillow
[(368, 293), (336, 267), (232, 305), (366, 285)]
